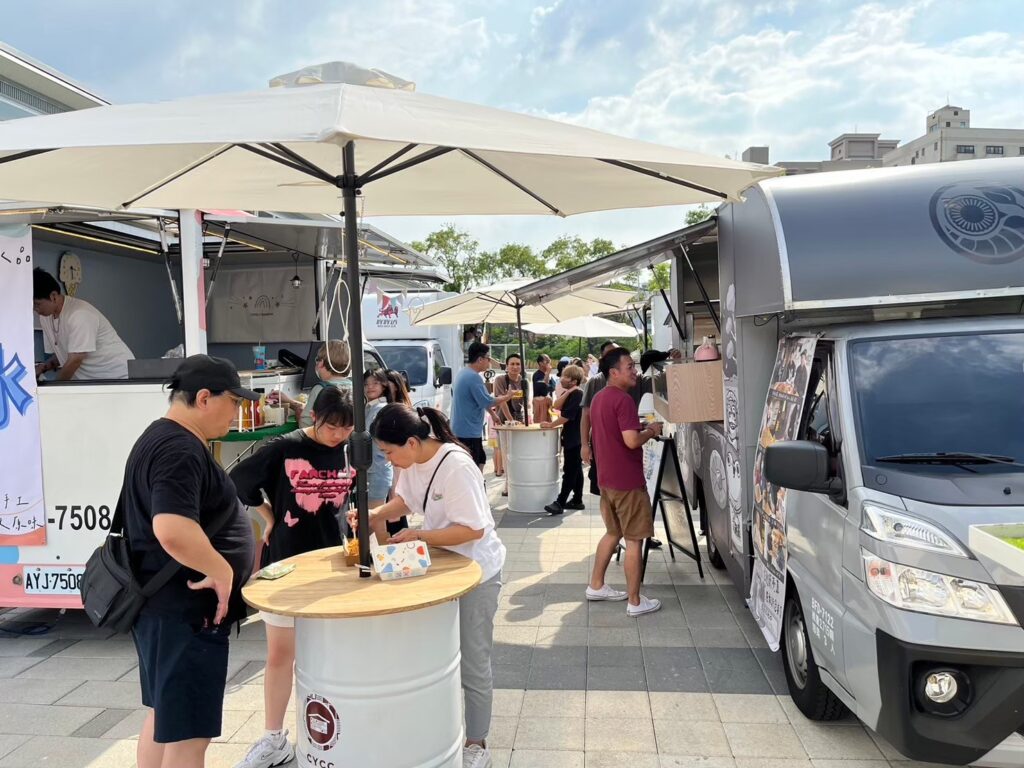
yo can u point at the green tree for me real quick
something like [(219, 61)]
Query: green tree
[(698, 214), (568, 252), (456, 251), (510, 261)]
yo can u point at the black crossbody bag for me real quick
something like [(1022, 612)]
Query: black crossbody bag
[(111, 594)]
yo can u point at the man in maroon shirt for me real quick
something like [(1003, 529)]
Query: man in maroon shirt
[(618, 438)]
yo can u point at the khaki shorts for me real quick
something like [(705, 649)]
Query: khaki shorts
[(627, 514)]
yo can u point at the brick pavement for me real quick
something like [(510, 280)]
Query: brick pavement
[(578, 685)]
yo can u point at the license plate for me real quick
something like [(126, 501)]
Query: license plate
[(52, 581)]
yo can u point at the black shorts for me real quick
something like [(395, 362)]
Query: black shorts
[(476, 449), (183, 674)]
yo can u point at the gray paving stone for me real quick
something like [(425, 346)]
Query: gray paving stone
[(764, 740), (64, 668), (552, 758), (22, 646), (116, 695), (610, 656), (510, 676), (52, 648), (504, 653), (620, 733), (557, 678), (42, 720), (664, 637), (674, 669), (554, 704), (616, 636), (616, 679), (13, 665), (560, 656), (719, 637), (697, 739), (103, 722), (21, 690), (69, 751), (99, 649), (9, 743), (550, 733)]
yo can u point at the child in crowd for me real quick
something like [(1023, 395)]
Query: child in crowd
[(333, 361), (298, 485)]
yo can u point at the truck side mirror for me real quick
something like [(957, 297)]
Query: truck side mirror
[(802, 465), (445, 378)]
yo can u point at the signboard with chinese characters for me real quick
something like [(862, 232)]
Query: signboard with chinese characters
[(22, 511), (779, 421)]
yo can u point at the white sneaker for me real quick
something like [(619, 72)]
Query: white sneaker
[(605, 593), (475, 756), (646, 605), (268, 752)]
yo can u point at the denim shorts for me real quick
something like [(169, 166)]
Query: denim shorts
[(183, 673)]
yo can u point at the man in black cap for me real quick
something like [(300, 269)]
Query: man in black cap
[(178, 504)]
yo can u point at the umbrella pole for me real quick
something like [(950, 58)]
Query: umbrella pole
[(527, 388), (359, 443)]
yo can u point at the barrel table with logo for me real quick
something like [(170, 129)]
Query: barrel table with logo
[(531, 462), (377, 681)]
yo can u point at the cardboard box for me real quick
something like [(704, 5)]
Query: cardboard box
[(399, 561), (695, 392)]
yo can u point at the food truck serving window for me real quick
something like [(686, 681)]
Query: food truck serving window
[(922, 399), (412, 360)]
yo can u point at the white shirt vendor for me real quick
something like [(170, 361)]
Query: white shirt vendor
[(84, 343)]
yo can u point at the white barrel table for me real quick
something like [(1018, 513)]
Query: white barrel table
[(377, 681), (531, 462)]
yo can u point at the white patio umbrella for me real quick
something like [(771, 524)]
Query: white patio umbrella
[(316, 149), (587, 327)]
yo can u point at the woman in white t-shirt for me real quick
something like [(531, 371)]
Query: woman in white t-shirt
[(437, 468)]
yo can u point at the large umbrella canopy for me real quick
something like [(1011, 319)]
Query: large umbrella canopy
[(587, 327), (499, 303), (316, 149), (282, 149)]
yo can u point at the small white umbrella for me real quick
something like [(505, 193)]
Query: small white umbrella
[(587, 327)]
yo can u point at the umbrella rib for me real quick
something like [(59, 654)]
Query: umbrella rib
[(664, 177), (316, 174), (295, 156), (430, 154), (24, 155), (494, 169), (388, 161), (177, 175)]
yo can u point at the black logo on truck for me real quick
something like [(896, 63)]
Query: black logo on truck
[(984, 222)]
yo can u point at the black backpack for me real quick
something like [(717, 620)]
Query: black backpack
[(111, 594)]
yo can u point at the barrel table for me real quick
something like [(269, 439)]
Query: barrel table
[(531, 462), (377, 681)]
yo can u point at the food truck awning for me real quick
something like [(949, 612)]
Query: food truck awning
[(619, 263)]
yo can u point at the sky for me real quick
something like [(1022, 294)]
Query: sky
[(714, 76)]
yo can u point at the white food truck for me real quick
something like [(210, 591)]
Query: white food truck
[(218, 283)]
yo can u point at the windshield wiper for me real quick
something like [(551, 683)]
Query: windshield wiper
[(949, 457)]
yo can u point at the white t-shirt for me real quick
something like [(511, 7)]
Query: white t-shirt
[(456, 497), (83, 328)]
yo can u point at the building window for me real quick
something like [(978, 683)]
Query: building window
[(955, 113), (947, 123), (1022, 150), (936, 146), (965, 149), (963, 123), (993, 150)]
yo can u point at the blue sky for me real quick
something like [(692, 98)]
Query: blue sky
[(709, 75)]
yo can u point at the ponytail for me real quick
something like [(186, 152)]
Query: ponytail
[(396, 423)]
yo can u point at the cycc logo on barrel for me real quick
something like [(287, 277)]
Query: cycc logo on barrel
[(322, 723)]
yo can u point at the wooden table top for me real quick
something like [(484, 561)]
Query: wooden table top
[(323, 587)]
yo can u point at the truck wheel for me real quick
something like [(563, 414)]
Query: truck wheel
[(714, 556), (811, 696)]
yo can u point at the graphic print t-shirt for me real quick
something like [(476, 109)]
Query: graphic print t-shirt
[(307, 484)]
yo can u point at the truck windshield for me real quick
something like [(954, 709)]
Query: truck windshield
[(412, 360), (950, 404)]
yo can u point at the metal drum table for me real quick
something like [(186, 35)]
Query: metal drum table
[(531, 462), (377, 681)]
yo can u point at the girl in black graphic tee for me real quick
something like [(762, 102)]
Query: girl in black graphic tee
[(304, 476)]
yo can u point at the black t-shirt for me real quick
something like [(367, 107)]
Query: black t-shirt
[(307, 484), (171, 471), (543, 385), (572, 410)]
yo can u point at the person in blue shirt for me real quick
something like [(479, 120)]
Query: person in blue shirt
[(470, 399)]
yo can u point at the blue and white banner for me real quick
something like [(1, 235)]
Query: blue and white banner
[(22, 511)]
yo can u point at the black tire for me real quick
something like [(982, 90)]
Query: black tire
[(714, 556), (811, 696)]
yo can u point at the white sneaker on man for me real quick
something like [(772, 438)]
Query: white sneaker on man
[(475, 756), (605, 593), (646, 605), (268, 752)]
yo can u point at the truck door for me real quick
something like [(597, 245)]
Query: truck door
[(816, 523)]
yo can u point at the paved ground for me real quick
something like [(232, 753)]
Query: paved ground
[(579, 685)]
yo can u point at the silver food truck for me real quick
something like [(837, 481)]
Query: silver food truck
[(871, 411)]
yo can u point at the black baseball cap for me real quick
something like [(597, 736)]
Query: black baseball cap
[(216, 374)]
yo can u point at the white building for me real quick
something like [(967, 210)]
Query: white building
[(849, 151), (949, 136), (28, 87)]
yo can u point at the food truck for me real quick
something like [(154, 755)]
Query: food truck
[(864, 413), (248, 288)]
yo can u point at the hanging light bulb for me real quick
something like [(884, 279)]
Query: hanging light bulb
[(296, 280)]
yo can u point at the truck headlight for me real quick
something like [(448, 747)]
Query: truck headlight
[(914, 589), (895, 527)]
